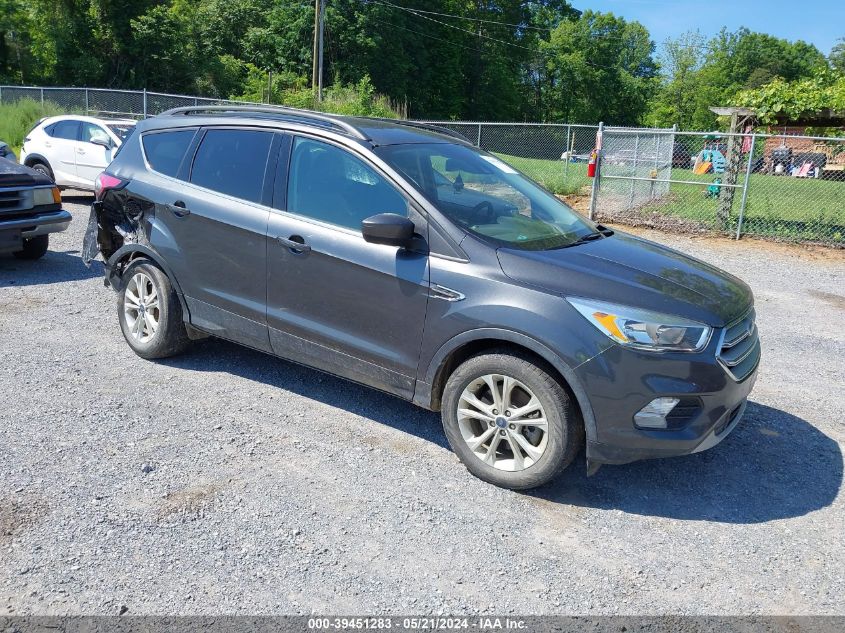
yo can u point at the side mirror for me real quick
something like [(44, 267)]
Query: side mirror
[(388, 228), (101, 142)]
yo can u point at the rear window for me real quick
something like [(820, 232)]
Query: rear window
[(165, 150), (122, 130), (233, 162), (124, 141)]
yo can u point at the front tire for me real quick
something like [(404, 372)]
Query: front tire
[(34, 247), (510, 421), (149, 312)]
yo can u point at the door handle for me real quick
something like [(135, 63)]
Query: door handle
[(179, 209), (79, 150), (295, 243)]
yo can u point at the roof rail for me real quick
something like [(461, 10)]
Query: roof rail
[(290, 112), (427, 126)]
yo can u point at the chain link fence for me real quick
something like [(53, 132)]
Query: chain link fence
[(133, 104), (775, 186), (789, 187)]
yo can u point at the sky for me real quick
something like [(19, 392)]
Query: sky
[(820, 22)]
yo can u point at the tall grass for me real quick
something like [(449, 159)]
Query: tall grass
[(18, 118)]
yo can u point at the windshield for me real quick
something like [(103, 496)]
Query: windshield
[(487, 196), (123, 130)]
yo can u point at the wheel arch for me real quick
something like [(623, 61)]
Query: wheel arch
[(33, 158), (429, 391), (129, 253)]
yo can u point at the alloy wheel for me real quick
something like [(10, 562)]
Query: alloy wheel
[(503, 422), (141, 307)]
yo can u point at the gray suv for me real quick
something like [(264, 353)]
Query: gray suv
[(399, 256)]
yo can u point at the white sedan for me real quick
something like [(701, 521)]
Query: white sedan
[(73, 150)]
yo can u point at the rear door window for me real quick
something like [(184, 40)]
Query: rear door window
[(233, 162), (165, 150), (67, 130)]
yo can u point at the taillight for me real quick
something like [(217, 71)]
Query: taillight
[(106, 181)]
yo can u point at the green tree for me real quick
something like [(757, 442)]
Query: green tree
[(682, 98), (837, 55), (601, 68), (17, 62), (743, 55), (699, 75)]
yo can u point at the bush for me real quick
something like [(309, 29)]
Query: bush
[(19, 117), (358, 100), (291, 90)]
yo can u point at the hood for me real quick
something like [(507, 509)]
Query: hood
[(631, 271), (14, 175)]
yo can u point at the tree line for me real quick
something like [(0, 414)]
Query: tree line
[(539, 60)]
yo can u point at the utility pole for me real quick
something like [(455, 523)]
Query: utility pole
[(317, 57), (320, 55), (316, 36)]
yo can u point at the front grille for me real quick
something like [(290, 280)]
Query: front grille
[(739, 351), (10, 198), (15, 200)]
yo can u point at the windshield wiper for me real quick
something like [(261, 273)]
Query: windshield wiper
[(600, 232), (589, 237)]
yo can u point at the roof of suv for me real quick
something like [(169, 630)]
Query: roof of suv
[(90, 119), (374, 130)]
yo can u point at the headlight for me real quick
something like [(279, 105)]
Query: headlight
[(643, 329), (46, 196)]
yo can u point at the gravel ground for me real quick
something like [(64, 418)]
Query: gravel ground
[(226, 481)]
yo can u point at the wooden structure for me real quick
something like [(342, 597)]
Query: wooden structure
[(742, 120)]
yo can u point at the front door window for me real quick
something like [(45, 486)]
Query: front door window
[(329, 184)]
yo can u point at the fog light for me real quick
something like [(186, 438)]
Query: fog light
[(653, 415)]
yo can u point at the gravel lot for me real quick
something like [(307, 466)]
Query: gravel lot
[(226, 481)]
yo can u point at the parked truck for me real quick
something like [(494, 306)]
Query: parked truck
[(30, 209)]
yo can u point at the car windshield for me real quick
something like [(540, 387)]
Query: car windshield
[(486, 196), (123, 130)]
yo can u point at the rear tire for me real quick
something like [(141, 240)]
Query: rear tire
[(34, 247), (149, 312), (519, 436)]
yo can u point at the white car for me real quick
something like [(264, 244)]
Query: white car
[(73, 150)]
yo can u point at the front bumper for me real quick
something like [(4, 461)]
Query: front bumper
[(38, 224), (621, 381)]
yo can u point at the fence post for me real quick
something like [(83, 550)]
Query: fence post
[(636, 165), (595, 188), (478, 145), (42, 99), (145, 102), (1, 94), (87, 108), (745, 186), (568, 155)]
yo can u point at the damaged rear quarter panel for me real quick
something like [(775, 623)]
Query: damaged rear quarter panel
[(122, 218)]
